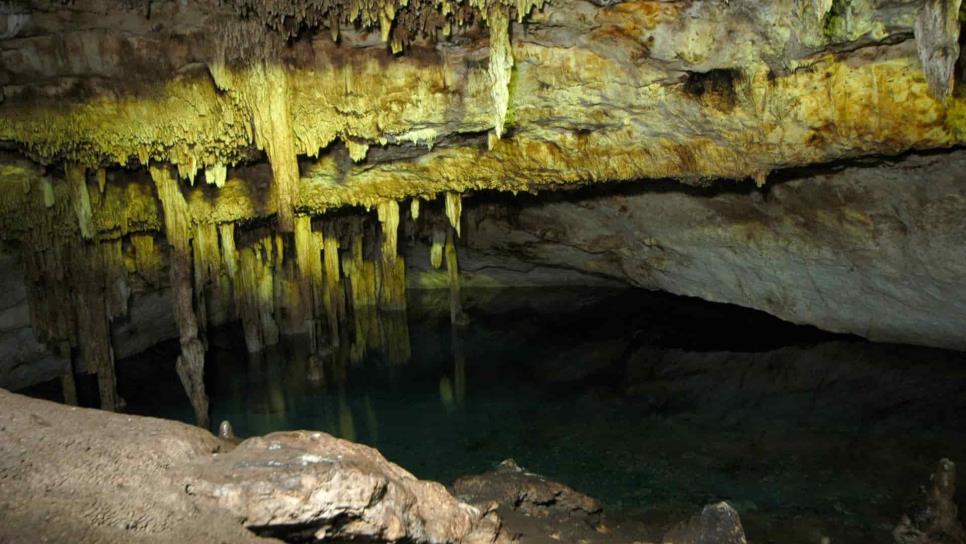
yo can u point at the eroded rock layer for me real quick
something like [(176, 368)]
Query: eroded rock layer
[(869, 250)]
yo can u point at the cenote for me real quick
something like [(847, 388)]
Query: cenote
[(482, 271)]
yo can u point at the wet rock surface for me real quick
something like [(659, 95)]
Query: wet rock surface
[(72, 475), (299, 485), (78, 475), (511, 486)]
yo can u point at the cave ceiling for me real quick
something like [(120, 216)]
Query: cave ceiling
[(354, 103)]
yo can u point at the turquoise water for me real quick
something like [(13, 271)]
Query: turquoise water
[(655, 405)]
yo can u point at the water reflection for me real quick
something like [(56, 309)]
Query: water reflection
[(654, 405)]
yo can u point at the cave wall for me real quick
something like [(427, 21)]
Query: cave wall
[(872, 250), (23, 359)]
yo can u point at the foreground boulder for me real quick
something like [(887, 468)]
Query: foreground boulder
[(312, 485), (76, 475)]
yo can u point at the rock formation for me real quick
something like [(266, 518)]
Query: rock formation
[(935, 520), (77, 475), (210, 151), (868, 250)]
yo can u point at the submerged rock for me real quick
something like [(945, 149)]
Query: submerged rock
[(310, 485), (937, 521)]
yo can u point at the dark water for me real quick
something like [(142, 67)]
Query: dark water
[(656, 405)]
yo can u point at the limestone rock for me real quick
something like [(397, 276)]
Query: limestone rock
[(873, 251), (23, 360), (84, 476), (716, 524), (312, 485), (937, 521), (512, 487)]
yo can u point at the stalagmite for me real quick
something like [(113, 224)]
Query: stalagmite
[(77, 179), (501, 66), (454, 207), (191, 363), (937, 39), (388, 212), (216, 175)]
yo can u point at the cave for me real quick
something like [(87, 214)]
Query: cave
[(450, 272)]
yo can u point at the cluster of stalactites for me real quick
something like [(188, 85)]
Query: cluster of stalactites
[(328, 279), (400, 22)]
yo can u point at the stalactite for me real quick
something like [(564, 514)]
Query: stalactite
[(357, 149), (392, 285), (269, 262), (147, 258), (177, 223), (209, 292), (454, 208), (388, 213), (101, 180), (308, 257), (77, 179), (92, 305), (229, 256), (452, 269), (500, 67), (255, 292), (216, 175), (191, 363), (436, 249), (113, 273), (94, 334), (333, 295), (273, 130), (48, 191), (414, 209), (937, 39), (246, 302)]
